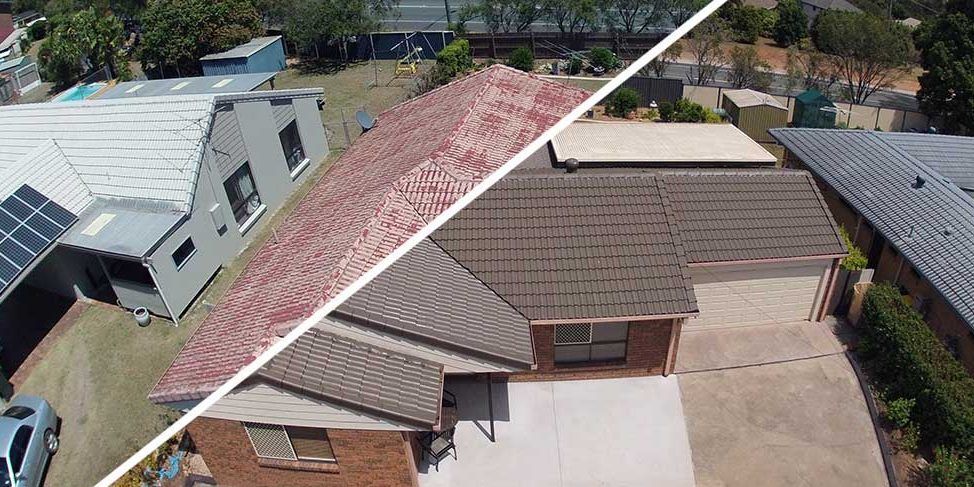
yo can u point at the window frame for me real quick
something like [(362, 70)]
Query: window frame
[(590, 345), (181, 263), (300, 165), (245, 221), (283, 429)]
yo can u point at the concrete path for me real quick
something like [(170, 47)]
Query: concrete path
[(798, 419), (760, 344), (615, 432)]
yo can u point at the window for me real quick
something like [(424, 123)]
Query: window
[(290, 442), (291, 143), (586, 342), (18, 448), (18, 412), (242, 193), (183, 253)]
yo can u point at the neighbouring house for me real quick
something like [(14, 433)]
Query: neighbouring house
[(149, 197), (417, 160), (910, 22), (762, 4), (22, 72), (236, 83), (754, 113), (548, 275), (906, 200), (644, 144), (258, 55), (26, 18), (814, 7), (7, 25)]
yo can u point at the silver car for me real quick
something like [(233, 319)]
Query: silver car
[(28, 438)]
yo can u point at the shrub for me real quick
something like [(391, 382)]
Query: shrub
[(574, 65), (950, 469), (856, 260), (521, 58), (898, 411), (455, 58), (623, 102), (666, 111), (911, 363), (792, 23), (600, 57), (651, 114), (37, 30), (746, 23), (688, 111), (909, 438)]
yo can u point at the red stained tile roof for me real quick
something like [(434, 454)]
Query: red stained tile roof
[(421, 157)]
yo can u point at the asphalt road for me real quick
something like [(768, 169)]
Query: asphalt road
[(882, 98)]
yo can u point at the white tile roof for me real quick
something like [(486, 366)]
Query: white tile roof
[(146, 149)]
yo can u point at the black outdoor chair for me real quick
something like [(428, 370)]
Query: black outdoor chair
[(437, 445)]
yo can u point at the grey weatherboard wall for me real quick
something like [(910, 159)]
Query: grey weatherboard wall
[(255, 126)]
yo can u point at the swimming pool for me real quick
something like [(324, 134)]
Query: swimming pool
[(80, 92)]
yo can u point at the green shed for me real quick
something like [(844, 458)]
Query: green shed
[(754, 113), (814, 110)]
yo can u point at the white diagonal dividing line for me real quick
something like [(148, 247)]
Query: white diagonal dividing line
[(330, 306)]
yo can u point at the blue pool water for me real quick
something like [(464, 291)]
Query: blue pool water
[(79, 92)]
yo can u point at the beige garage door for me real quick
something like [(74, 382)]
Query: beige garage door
[(756, 294)]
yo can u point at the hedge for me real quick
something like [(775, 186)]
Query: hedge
[(912, 363)]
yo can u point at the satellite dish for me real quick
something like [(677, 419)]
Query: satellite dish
[(365, 120)]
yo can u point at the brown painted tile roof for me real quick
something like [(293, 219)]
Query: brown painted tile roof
[(751, 215), (421, 157), (428, 295), (563, 247), (336, 369)]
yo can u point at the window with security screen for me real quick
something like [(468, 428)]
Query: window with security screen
[(591, 342), (290, 442)]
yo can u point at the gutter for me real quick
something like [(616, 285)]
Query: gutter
[(570, 321), (767, 261)]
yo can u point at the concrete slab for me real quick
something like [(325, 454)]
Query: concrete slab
[(803, 422), (736, 347), (616, 432)]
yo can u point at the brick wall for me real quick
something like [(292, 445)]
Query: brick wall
[(364, 458), (646, 351)]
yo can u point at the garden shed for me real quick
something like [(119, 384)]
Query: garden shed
[(259, 55), (754, 113), (814, 110)]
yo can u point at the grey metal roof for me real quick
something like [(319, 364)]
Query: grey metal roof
[(336, 369), (742, 215), (187, 86), (121, 228), (427, 294), (243, 50), (949, 155), (559, 247), (843, 5), (931, 226)]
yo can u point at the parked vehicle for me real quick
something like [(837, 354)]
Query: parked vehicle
[(28, 438)]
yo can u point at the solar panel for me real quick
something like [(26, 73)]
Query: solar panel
[(29, 224)]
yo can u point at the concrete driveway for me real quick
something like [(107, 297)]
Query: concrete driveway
[(797, 419), (613, 432)]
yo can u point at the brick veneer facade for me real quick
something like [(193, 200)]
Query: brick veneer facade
[(364, 458), (648, 346)]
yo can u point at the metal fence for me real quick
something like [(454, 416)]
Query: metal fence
[(555, 45)]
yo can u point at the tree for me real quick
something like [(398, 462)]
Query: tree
[(86, 40), (572, 15), (509, 15), (600, 57), (748, 70), (792, 24), (807, 69), (310, 22), (746, 23), (705, 45), (632, 16), (947, 83), (521, 58), (176, 33), (680, 11), (869, 53), (622, 102), (658, 65)]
